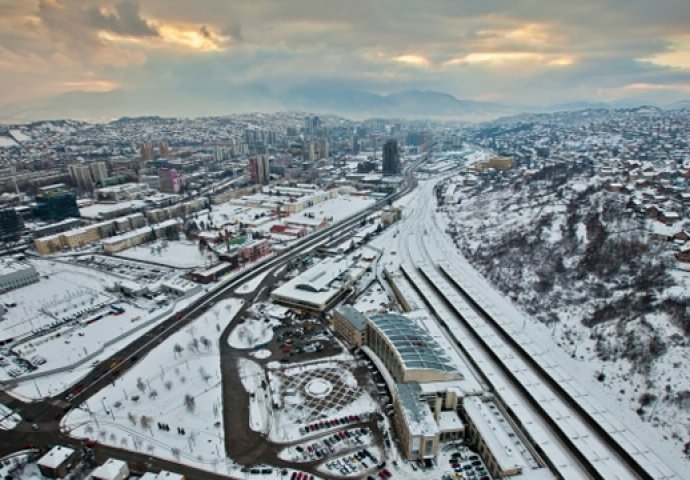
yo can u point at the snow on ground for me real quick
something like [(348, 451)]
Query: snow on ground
[(62, 291), (19, 465), (7, 142), (309, 391), (373, 299), (177, 384), (19, 136), (252, 332), (73, 343), (253, 378), (252, 284), (261, 354), (339, 207), (574, 352), (176, 254)]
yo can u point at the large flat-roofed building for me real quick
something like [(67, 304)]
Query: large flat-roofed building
[(139, 236), (409, 353), (350, 324), (490, 432), (322, 286), (14, 274), (120, 193)]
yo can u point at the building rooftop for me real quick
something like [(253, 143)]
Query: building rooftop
[(488, 421), (12, 266), (110, 470), (55, 457), (417, 413), (353, 316), (416, 348)]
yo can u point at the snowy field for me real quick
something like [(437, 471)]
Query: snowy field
[(339, 207), (176, 386), (72, 343), (252, 332), (177, 254), (62, 291)]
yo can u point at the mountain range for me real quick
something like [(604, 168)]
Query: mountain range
[(353, 103)]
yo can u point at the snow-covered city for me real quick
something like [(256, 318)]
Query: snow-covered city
[(303, 297)]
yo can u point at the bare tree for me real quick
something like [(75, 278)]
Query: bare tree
[(153, 394), (141, 385), (145, 422), (168, 385), (178, 349), (204, 374), (132, 418), (189, 402)]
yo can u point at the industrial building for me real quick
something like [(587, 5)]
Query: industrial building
[(322, 286), (15, 274)]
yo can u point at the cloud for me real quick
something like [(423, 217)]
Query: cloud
[(532, 51), (234, 31), (125, 20)]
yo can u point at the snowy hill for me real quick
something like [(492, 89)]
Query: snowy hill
[(567, 250)]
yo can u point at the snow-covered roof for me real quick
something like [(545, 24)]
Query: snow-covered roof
[(486, 417), (318, 284), (112, 469), (416, 412), (8, 266), (353, 316), (449, 421), (55, 457)]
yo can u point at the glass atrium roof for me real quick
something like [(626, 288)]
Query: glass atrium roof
[(414, 345)]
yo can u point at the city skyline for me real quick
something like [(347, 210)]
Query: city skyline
[(179, 57)]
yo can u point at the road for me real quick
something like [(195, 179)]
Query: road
[(48, 412)]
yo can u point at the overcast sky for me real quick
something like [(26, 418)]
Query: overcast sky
[(517, 52)]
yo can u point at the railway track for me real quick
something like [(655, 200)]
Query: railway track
[(591, 447)]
